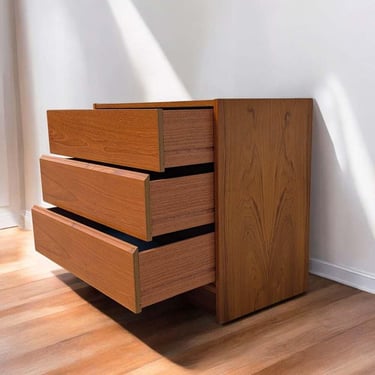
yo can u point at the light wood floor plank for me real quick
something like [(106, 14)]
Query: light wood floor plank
[(354, 352), (51, 322)]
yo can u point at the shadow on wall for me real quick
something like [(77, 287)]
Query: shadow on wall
[(108, 71), (190, 36), (235, 48), (116, 42), (343, 181), (70, 57)]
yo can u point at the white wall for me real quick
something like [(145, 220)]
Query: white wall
[(76, 52), (10, 151)]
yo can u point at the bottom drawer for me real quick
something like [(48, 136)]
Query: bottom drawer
[(132, 272)]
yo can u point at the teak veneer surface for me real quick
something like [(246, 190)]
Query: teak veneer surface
[(116, 267), (150, 139), (188, 137), (99, 259), (176, 269), (262, 183), (128, 201), (111, 196), (262, 202), (116, 137), (181, 202), (52, 322)]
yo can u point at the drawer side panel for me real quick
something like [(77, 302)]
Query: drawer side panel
[(176, 268), (188, 137), (181, 202)]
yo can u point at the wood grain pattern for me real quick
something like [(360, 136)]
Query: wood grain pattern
[(262, 202), (131, 138), (176, 268), (52, 322), (104, 262), (115, 267), (263, 342), (188, 137), (134, 137), (128, 201), (353, 355), (262, 172), (181, 203), (114, 197)]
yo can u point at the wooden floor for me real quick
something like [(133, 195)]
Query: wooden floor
[(51, 322)]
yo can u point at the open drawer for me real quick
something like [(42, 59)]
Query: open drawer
[(151, 139), (131, 202), (132, 272)]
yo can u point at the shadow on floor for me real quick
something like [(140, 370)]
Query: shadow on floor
[(162, 326)]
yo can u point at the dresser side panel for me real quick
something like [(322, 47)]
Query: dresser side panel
[(262, 202)]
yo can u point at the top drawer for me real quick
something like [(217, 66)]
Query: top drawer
[(151, 139)]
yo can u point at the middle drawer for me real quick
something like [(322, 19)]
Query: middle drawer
[(128, 201)]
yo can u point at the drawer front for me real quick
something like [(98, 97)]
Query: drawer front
[(116, 266), (150, 139), (128, 201), (111, 196), (127, 137), (106, 263)]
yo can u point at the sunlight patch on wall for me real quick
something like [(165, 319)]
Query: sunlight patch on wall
[(154, 71), (350, 146)]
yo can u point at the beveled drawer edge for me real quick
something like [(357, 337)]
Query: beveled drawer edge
[(161, 140), (96, 166)]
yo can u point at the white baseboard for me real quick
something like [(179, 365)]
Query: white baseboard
[(344, 275), (27, 220)]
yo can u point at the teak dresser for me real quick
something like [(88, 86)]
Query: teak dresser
[(157, 199)]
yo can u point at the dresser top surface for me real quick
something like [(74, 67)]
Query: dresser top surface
[(184, 104)]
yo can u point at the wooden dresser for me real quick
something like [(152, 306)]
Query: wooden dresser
[(157, 199)]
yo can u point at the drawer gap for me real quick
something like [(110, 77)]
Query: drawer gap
[(187, 170), (157, 241)]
